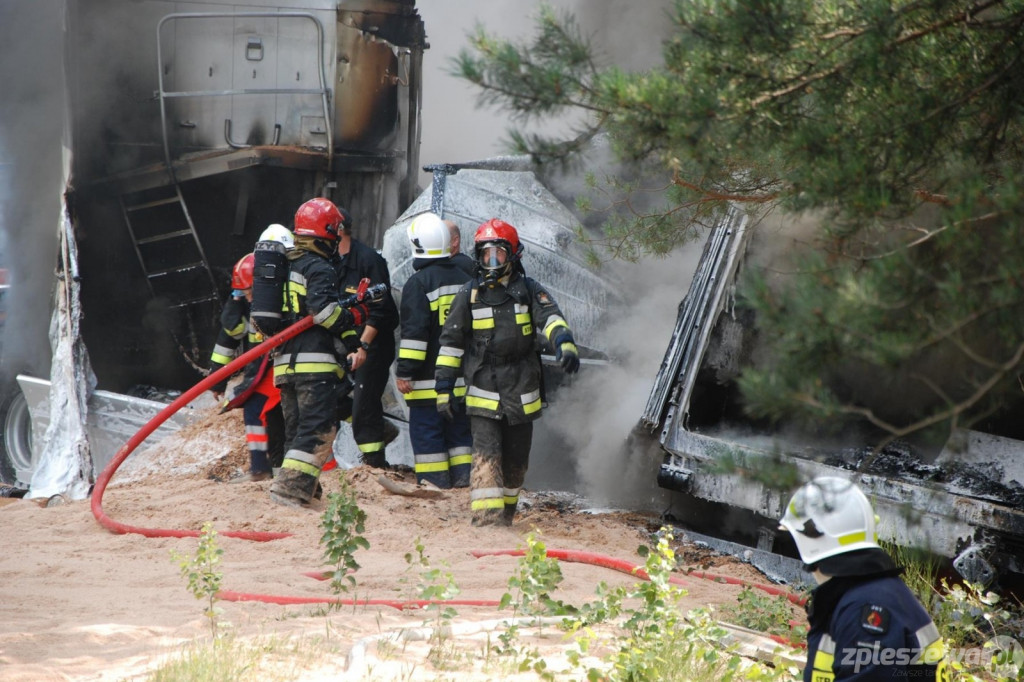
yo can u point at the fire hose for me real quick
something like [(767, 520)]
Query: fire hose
[(261, 536), (150, 426)]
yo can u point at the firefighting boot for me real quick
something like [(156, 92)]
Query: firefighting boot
[(293, 488), (509, 513), (377, 460)]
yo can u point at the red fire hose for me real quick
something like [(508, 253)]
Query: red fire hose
[(184, 399), (635, 569), (244, 359)]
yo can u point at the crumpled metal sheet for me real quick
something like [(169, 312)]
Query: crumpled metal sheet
[(546, 228)]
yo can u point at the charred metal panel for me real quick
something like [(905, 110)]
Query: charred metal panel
[(545, 228), (913, 513), (709, 295)]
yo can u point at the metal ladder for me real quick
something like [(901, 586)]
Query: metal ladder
[(172, 258)]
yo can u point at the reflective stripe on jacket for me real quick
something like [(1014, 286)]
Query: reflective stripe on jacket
[(426, 299), (495, 347), (878, 630)]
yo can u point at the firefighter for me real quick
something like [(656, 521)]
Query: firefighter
[(442, 448), (465, 263), (370, 347), (255, 394), (491, 338), (865, 623), (306, 368)]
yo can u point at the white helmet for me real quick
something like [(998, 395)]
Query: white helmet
[(829, 516), (429, 236), (278, 233)]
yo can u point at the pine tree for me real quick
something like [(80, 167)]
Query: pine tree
[(898, 125)]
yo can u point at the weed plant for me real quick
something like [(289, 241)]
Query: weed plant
[(201, 575)]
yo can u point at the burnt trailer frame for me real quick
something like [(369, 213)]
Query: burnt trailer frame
[(981, 529), (237, 115), (189, 128)]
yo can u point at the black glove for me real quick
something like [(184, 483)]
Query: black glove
[(444, 387), (566, 353)]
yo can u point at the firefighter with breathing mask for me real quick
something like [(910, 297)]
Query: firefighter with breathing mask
[(491, 338), (865, 623)]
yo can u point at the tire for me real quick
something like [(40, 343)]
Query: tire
[(17, 461)]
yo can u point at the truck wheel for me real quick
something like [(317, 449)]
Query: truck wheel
[(16, 461)]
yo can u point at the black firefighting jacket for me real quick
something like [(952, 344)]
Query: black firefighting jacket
[(312, 289), (495, 347), (236, 336), (426, 299), (362, 261)]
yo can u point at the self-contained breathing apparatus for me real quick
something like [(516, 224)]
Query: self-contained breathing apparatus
[(269, 283)]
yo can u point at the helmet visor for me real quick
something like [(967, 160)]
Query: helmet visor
[(493, 255)]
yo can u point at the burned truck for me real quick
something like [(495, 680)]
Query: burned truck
[(963, 501), (187, 130)]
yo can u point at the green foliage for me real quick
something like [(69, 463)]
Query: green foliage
[(897, 127), (763, 612), (436, 584), (657, 641), (531, 585), (341, 522), (201, 574)]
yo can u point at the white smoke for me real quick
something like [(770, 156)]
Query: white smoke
[(582, 441), (31, 127)]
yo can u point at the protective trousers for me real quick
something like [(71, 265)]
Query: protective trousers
[(367, 411), (442, 449), (501, 455), (309, 404), (264, 426)]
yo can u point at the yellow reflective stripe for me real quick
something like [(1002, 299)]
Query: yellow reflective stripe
[(220, 359), (441, 301), (484, 324), (458, 460), (530, 408), (485, 403), (422, 394), (851, 538), (431, 467), (348, 332), (554, 322), (309, 368), (449, 361), (822, 670), (410, 354), (523, 318), (477, 505), (301, 466), (371, 447), (328, 316), (236, 331), (459, 391), (511, 500)]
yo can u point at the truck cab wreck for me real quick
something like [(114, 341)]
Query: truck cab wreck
[(963, 501)]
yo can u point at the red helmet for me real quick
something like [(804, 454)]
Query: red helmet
[(319, 218), (497, 248), (498, 230), (241, 274)]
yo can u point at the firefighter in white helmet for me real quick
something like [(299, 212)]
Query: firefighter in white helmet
[(442, 448), (865, 623)]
